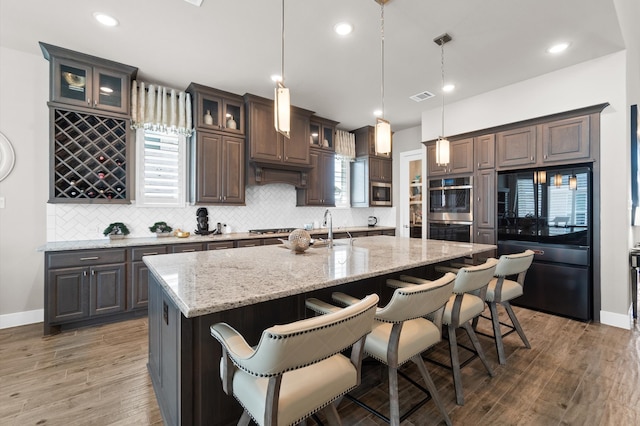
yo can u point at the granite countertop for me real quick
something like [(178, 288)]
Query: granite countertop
[(212, 281), (106, 243)]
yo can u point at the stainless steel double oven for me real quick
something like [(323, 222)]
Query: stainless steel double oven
[(451, 209)]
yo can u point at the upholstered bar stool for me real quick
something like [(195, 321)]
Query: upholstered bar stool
[(501, 290), (460, 310), (401, 334), (296, 369)]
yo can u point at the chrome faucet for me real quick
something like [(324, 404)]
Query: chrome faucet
[(328, 223)]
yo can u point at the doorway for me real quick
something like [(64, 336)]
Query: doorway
[(412, 207)]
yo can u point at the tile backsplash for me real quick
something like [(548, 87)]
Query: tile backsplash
[(269, 206)]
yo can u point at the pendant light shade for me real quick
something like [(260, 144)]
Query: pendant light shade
[(557, 180), (282, 109), (383, 135), (442, 144), (573, 182), (383, 127), (540, 177), (282, 99), (442, 151)]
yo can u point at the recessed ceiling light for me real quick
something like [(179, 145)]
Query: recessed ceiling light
[(377, 112), (557, 48), (343, 28), (105, 20), (276, 78), (448, 87)]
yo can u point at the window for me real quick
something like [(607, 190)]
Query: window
[(342, 182), (160, 171)]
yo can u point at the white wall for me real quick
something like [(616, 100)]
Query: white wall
[(593, 82), (24, 120)]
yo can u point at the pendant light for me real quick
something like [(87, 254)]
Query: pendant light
[(540, 177), (282, 99), (383, 127), (442, 144), (557, 180), (573, 182)]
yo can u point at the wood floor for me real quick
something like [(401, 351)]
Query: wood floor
[(575, 374)]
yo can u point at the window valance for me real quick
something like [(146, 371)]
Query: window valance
[(346, 145), (160, 109)]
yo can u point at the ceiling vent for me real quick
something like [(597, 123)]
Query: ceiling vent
[(422, 96), (194, 2)]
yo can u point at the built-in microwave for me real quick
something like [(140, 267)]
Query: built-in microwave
[(451, 199), (380, 194)]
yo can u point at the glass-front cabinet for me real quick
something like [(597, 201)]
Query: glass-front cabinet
[(86, 81), (217, 110), (322, 133), (415, 198)]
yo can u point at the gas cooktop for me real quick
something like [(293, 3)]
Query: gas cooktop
[(271, 231)]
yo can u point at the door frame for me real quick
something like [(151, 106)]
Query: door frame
[(405, 180)]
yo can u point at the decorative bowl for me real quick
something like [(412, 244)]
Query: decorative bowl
[(182, 234), (73, 79), (299, 240)]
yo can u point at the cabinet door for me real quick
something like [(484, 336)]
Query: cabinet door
[(314, 191), (296, 149), (485, 151), (72, 82), (461, 156), (233, 116), (485, 199), (68, 294), (380, 169), (139, 286), (516, 147), (107, 289), (566, 140), (485, 236), (264, 141), (232, 166), (111, 90), (328, 166), (208, 174), (434, 169)]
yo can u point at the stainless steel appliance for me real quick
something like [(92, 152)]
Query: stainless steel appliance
[(451, 231), (549, 211), (451, 199), (380, 194)]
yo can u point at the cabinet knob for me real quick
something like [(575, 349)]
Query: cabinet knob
[(531, 158), (545, 156), (95, 103), (478, 164), (224, 198), (84, 273), (89, 102)]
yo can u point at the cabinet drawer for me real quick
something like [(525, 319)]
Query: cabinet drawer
[(249, 243), (138, 252), (220, 245), (85, 257), (186, 248), (272, 241)]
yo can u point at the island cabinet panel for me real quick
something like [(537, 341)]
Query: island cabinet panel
[(516, 147), (567, 139)]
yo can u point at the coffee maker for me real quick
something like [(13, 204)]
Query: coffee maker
[(202, 216)]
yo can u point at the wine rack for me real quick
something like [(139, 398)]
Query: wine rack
[(89, 158)]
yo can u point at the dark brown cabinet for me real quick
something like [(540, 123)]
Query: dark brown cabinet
[(219, 169), (460, 158), (320, 189), (219, 245), (87, 81), (268, 146), (484, 207), (366, 142), (566, 139), (380, 169), (322, 133), (82, 285), (186, 248), (138, 283), (485, 151), (516, 147), (215, 109)]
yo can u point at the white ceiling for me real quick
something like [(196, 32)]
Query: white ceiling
[(235, 45)]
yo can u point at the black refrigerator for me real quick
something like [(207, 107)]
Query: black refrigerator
[(549, 211)]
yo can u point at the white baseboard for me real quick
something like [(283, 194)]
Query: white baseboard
[(21, 318), (616, 320)]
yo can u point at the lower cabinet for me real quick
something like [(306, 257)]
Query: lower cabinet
[(138, 283), (83, 285)]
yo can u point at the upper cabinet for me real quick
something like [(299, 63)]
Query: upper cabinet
[(322, 133), (268, 146), (517, 147), (87, 81), (217, 110), (566, 139), (460, 158), (485, 151), (366, 142)]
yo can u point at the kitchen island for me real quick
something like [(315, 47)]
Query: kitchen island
[(252, 289)]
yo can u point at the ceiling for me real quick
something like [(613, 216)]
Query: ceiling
[(235, 45)]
